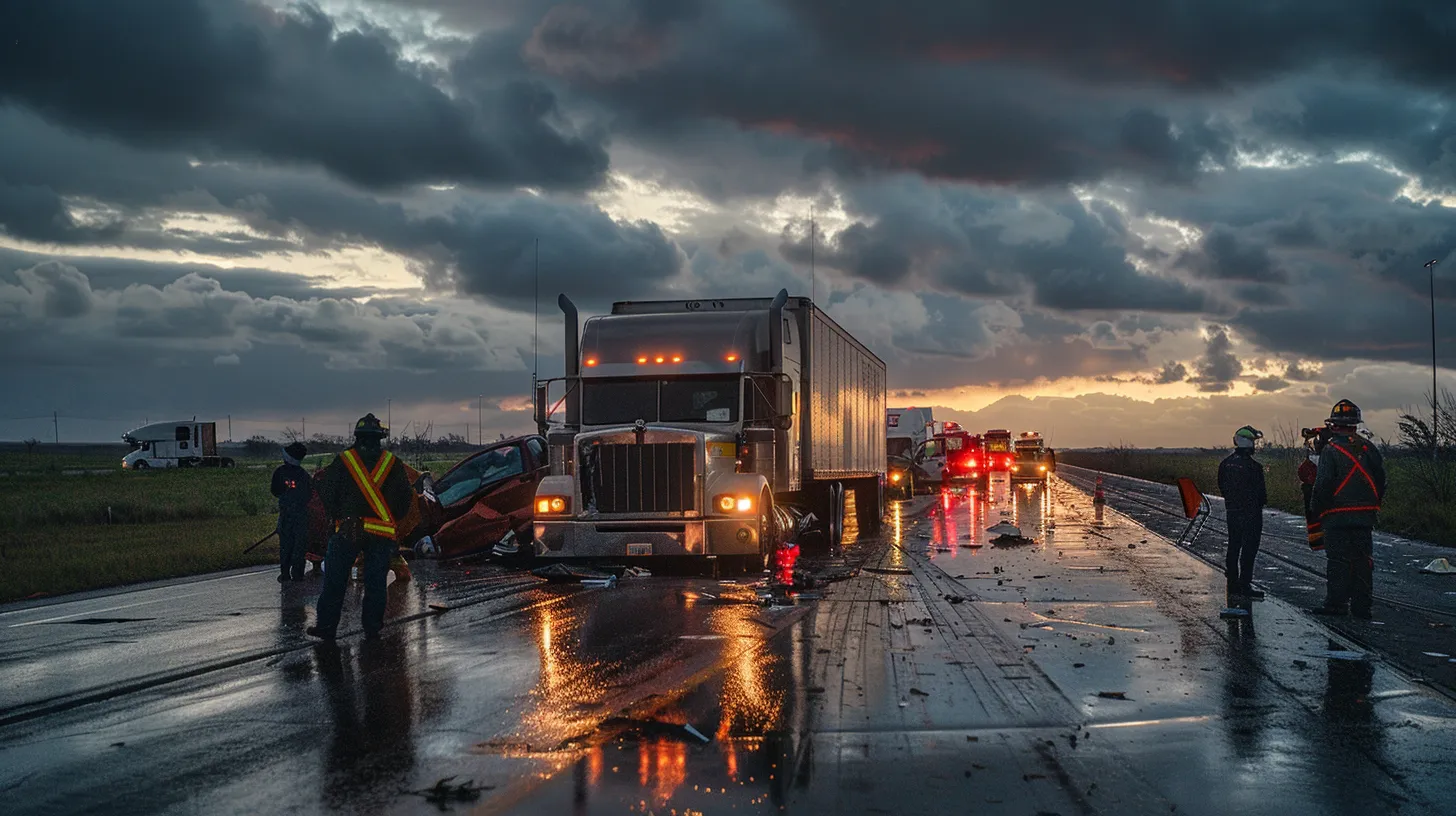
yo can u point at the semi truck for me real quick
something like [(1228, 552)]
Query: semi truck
[(181, 443), (686, 423)]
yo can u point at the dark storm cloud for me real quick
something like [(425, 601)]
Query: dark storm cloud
[(1221, 255), (969, 242), (1171, 372), (1218, 366), (1263, 384), (54, 315), (750, 64), (1212, 44), (235, 78), (483, 245), (117, 273), (1297, 373)]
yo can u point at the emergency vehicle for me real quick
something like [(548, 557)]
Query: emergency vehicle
[(1000, 455), (952, 455), (1033, 459)]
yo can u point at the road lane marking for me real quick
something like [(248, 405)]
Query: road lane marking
[(96, 611), (266, 571)]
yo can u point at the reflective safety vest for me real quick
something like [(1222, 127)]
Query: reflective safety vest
[(370, 483), (1356, 491)]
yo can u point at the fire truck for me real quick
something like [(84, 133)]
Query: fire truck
[(1033, 458), (951, 455), (1000, 455)]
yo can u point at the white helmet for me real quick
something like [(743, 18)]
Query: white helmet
[(1246, 436)]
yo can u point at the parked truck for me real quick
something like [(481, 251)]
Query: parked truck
[(181, 443), (687, 421), (906, 428)]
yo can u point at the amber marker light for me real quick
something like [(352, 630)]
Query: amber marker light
[(591, 361), (676, 358), (732, 358), (641, 360)]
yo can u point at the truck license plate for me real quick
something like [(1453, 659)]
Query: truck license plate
[(639, 549)]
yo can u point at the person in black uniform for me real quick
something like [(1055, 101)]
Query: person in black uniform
[(365, 492), (293, 488), (1349, 486), (1241, 481)]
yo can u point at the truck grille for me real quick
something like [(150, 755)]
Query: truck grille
[(648, 478)]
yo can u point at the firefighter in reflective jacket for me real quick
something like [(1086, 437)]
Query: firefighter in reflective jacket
[(365, 492), (1349, 485)]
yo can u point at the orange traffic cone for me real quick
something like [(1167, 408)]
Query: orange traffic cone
[(1098, 500)]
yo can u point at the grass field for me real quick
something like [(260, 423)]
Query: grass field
[(1405, 512), (63, 533)]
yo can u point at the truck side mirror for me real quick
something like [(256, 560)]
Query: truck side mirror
[(542, 395), (784, 403)]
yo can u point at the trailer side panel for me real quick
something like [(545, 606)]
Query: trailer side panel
[(845, 385)]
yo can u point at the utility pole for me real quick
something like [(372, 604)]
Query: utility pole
[(1435, 395), (230, 427), (303, 429), (480, 420), (56, 423), (388, 413)]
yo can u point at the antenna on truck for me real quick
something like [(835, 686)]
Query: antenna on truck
[(813, 282), (536, 320)]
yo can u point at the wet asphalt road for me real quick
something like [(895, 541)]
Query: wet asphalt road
[(1414, 613), (1086, 673)]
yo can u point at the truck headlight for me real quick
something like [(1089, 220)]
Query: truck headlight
[(728, 503), (896, 476), (552, 505), (1041, 468)]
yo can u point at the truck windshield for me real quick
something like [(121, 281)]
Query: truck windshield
[(898, 445), (687, 399)]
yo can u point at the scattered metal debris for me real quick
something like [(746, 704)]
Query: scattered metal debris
[(1112, 695), (442, 794)]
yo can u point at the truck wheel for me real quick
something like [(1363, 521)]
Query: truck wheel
[(226, 462), (140, 465)]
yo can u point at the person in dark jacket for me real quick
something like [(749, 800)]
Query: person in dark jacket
[(1349, 486), (366, 493), (293, 488), (1241, 481)]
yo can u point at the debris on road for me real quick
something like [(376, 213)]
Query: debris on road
[(1440, 566), (442, 793), (1112, 695), (563, 573), (917, 692)]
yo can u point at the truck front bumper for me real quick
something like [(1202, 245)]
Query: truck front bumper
[(622, 538)]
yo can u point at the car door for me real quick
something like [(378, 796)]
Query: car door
[(512, 484), (929, 462)]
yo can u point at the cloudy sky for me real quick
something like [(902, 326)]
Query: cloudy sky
[(1148, 225)]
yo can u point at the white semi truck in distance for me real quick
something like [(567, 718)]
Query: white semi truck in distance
[(181, 443), (687, 421)]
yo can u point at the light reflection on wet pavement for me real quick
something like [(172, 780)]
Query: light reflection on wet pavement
[(1084, 672)]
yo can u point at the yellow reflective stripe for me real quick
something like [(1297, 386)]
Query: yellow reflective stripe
[(371, 495), (382, 529), (381, 468)]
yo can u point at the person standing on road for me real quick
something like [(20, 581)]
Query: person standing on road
[(293, 488), (365, 492), (1241, 481), (1349, 486)]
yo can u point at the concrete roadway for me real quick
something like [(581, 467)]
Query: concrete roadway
[(1086, 673)]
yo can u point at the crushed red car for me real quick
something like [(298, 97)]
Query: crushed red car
[(469, 509)]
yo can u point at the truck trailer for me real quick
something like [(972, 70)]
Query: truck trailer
[(181, 443), (687, 421)]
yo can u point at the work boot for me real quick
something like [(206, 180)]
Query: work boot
[(321, 634)]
